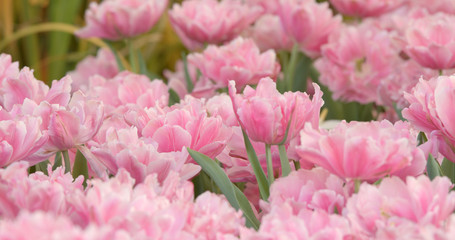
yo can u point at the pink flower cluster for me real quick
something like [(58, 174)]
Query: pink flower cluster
[(431, 111), (354, 180), (55, 205)]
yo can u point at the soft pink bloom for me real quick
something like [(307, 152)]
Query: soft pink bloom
[(309, 23), (203, 87), (314, 189), (25, 85), (155, 209), (431, 111), (418, 200), (76, 124), (103, 64), (447, 6), (265, 113), (35, 192), (128, 88), (117, 19), (355, 61), (199, 22), (363, 150), (122, 148), (221, 105), (366, 8), (180, 128), (282, 223), (235, 158), (240, 60), (431, 41), (214, 216), (268, 33), (406, 75), (20, 138), (40, 225), (8, 68), (269, 6)]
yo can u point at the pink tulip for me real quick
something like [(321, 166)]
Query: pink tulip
[(180, 128), (447, 6), (35, 192), (8, 69), (20, 138), (314, 189), (431, 111), (282, 223), (356, 60), (240, 60), (117, 19), (103, 64), (268, 33), (122, 148), (76, 124), (203, 87), (418, 200), (366, 8), (128, 88), (363, 150), (199, 22), (309, 23), (431, 41), (41, 225), (392, 88), (235, 158), (213, 216), (221, 105), (265, 114), (25, 86)]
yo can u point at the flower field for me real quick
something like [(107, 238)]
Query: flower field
[(229, 119)]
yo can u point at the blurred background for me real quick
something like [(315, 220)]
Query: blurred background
[(37, 33)]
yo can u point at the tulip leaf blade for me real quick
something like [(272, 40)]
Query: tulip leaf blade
[(80, 167), (258, 171), (433, 168), (448, 169), (189, 82), (234, 197)]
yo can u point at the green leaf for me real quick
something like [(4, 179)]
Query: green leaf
[(285, 166), (422, 138), (143, 67), (57, 161), (189, 82), (433, 168), (42, 166), (235, 197), (398, 111), (66, 159), (80, 167), (64, 11), (448, 169), (120, 65), (173, 97), (245, 205), (257, 168)]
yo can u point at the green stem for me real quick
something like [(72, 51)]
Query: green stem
[(285, 166), (66, 159), (189, 82), (290, 71), (440, 72), (132, 56), (80, 167), (297, 165), (268, 155)]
